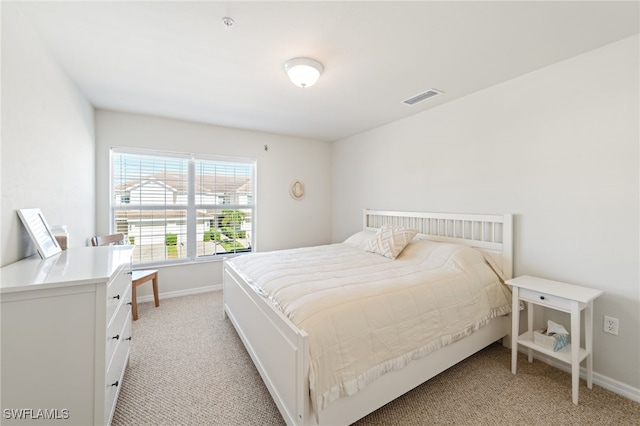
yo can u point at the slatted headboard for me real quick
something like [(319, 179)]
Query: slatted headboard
[(491, 233)]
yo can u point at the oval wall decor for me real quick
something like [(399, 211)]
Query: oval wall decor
[(297, 190)]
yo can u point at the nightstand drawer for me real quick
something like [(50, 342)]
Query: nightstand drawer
[(545, 299)]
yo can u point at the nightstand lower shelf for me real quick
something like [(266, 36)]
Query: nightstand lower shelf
[(564, 354)]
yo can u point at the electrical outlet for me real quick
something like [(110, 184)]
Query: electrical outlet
[(611, 325)]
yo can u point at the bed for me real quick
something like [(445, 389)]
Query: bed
[(267, 298)]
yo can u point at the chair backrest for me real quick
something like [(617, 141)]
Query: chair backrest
[(105, 240)]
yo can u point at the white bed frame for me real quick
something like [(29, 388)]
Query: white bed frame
[(280, 350)]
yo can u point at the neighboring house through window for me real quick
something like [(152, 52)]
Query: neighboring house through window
[(182, 207)]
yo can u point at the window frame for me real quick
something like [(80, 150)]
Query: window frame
[(191, 208)]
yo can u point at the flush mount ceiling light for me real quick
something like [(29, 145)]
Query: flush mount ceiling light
[(303, 72)]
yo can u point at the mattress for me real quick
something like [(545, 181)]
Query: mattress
[(367, 314)]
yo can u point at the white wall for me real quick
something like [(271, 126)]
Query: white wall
[(282, 222), (47, 142), (558, 148)]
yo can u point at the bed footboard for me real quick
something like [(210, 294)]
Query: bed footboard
[(279, 350)]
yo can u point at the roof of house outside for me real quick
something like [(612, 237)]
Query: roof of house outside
[(218, 183)]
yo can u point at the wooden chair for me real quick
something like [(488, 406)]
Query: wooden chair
[(137, 277)]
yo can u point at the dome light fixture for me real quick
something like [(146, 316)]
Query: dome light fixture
[(303, 72)]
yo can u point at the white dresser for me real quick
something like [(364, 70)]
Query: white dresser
[(65, 336)]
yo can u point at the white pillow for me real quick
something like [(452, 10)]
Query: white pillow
[(360, 239), (390, 240)]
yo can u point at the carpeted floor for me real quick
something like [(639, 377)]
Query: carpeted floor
[(188, 367)]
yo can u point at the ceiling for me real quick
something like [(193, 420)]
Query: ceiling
[(177, 59)]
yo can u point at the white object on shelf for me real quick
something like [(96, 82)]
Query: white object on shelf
[(61, 235), (562, 297), (553, 342)]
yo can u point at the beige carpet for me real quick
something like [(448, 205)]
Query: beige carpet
[(188, 367)]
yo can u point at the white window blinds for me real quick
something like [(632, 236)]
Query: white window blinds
[(180, 207)]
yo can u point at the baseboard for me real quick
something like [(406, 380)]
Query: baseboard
[(601, 380), (179, 293)]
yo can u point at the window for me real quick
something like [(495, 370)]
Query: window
[(182, 207)]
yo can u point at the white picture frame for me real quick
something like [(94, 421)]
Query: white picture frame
[(39, 231)]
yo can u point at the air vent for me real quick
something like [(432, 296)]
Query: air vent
[(422, 96)]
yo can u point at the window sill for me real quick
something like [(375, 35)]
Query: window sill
[(200, 260)]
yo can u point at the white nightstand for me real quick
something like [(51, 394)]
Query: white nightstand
[(562, 297)]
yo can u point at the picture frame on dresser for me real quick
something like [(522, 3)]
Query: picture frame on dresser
[(39, 231)]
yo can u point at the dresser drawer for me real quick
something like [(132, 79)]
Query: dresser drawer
[(544, 299), (116, 332), (115, 371), (116, 291)]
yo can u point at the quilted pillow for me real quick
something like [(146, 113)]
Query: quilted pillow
[(390, 240)]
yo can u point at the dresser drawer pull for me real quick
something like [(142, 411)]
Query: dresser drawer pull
[(116, 383), (541, 297), (130, 273), (117, 296), (128, 338), (117, 337)]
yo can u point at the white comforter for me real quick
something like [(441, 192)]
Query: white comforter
[(366, 314)]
